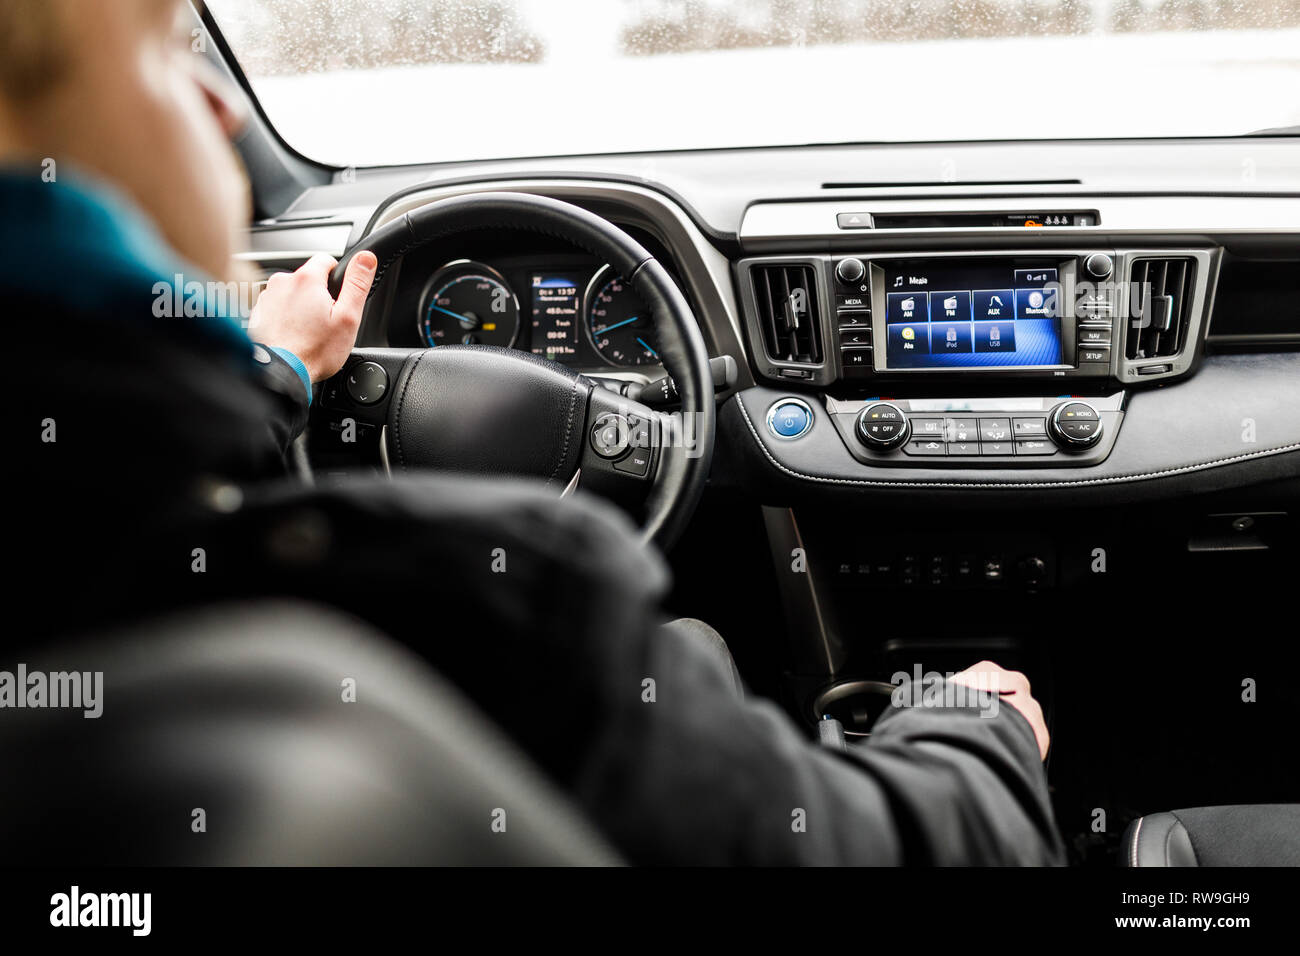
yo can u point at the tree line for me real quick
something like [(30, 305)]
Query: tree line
[(677, 26)]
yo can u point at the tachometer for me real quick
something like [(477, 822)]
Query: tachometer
[(468, 303), (618, 324)]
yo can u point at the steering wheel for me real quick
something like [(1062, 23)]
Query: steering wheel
[(494, 411)]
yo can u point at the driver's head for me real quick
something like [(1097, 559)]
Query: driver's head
[(114, 89)]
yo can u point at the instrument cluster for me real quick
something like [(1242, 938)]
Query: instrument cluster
[(578, 314)]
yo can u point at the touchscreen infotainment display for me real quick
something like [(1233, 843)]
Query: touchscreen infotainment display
[(972, 313)]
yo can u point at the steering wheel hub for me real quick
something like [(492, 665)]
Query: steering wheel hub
[(488, 410)]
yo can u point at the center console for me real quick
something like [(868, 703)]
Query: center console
[(1016, 358), (974, 432)]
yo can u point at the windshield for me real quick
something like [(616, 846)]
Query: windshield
[(372, 82)]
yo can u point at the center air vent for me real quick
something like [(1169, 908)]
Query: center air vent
[(1160, 298), (788, 312)]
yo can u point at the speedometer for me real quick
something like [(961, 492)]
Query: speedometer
[(618, 323), (468, 303)]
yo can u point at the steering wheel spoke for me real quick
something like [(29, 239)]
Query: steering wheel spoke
[(621, 444)]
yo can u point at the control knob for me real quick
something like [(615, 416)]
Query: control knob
[(1075, 425), (882, 426), (850, 271), (1098, 265)]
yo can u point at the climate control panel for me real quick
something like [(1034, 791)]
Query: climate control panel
[(986, 432)]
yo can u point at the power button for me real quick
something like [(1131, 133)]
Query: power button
[(789, 418)]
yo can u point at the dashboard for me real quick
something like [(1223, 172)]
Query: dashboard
[(1106, 335)]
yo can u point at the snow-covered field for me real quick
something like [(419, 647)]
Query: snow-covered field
[(1160, 84)]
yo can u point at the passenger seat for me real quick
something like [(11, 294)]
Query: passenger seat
[(1259, 835)]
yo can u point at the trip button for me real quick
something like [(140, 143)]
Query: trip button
[(995, 429), (637, 463)]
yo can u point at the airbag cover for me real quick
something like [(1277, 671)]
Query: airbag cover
[(488, 411)]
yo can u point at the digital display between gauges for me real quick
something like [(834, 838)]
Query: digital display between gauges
[(468, 303), (619, 326), (555, 316)]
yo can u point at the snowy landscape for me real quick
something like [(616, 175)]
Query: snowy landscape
[(585, 94)]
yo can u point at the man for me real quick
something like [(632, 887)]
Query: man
[(159, 481)]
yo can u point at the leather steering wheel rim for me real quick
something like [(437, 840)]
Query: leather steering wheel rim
[(683, 472)]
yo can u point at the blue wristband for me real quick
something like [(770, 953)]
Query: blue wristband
[(295, 363)]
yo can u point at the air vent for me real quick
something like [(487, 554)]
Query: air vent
[(1160, 297), (788, 312)]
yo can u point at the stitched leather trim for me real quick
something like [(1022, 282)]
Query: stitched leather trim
[(1169, 836), (1068, 483), (568, 431), (397, 411)]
